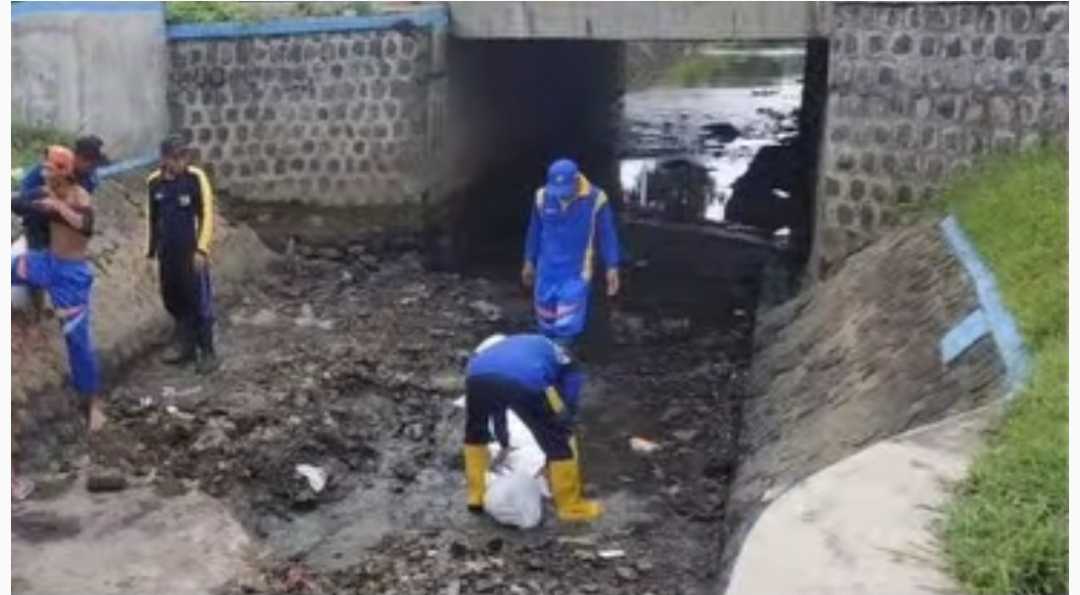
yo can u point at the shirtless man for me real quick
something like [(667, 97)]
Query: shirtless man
[(64, 273)]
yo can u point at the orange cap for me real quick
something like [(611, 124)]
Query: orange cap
[(61, 160)]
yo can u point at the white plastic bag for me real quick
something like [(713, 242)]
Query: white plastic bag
[(20, 294), (514, 498), (514, 495)]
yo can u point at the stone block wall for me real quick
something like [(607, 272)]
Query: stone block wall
[(332, 118), (919, 91)]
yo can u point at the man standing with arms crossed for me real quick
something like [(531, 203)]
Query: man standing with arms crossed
[(181, 228)]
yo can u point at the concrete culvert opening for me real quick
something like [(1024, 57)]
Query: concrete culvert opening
[(708, 151), (517, 106)]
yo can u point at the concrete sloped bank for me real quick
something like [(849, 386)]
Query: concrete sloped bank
[(850, 364), (863, 525), (127, 313)]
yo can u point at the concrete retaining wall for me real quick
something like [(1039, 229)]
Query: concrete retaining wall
[(332, 112), (917, 92), (91, 67)]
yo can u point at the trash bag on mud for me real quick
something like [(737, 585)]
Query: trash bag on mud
[(514, 497), (515, 490)]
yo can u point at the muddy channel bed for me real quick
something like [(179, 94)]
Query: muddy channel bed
[(351, 361)]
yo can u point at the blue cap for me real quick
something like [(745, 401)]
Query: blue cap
[(562, 179)]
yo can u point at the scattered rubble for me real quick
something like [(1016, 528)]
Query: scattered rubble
[(307, 433)]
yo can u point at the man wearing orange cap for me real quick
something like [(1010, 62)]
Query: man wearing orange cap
[(64, 273)]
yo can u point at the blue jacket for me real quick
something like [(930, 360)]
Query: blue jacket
[(36, 223), (535, 363), (562, 237), (181, 219)]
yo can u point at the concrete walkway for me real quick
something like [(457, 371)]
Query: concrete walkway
[(127, 543), (865, 524)]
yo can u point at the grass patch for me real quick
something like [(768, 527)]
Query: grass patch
[(1007, 530), (27, 144), (223, 12), (334, 9), (206, 12), (735, 69), (706, 71)]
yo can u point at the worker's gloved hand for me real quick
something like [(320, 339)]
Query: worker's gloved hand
[(528, 274), (569, 416), (498, 464), (612, 282)]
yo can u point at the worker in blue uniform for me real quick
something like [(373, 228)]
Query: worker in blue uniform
[(535, 378), (181, 229), (570, 219)]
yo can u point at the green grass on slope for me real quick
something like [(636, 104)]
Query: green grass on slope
[(245, 12), (27, 143), (1007, 530)]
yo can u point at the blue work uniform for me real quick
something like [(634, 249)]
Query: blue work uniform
[(36, 223), (534, 378), (181, 223), (68, 284), (561, 244)]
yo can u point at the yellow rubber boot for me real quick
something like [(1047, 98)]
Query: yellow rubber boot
[(477, 459), (566, 491)]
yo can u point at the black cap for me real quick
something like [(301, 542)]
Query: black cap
[(89, 147), (173, 144)]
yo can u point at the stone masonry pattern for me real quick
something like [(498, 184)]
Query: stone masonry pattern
[(919, 91), (335, 119)]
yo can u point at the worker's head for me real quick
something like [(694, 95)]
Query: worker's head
[(58, 166), (88, 155), (562, 178), (174, 155), (486, 343)]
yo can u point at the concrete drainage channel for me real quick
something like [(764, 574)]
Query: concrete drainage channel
[(343, 361), (348, 361)]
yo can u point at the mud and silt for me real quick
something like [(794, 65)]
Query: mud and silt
[(349, 362)]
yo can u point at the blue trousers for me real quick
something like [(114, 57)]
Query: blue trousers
[(68, 284), (562, 308), (188, 295)]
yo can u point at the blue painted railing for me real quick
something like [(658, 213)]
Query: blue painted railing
[(992, 316), (120, 167)]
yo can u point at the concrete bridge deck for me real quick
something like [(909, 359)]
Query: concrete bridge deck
[(627, 21)]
